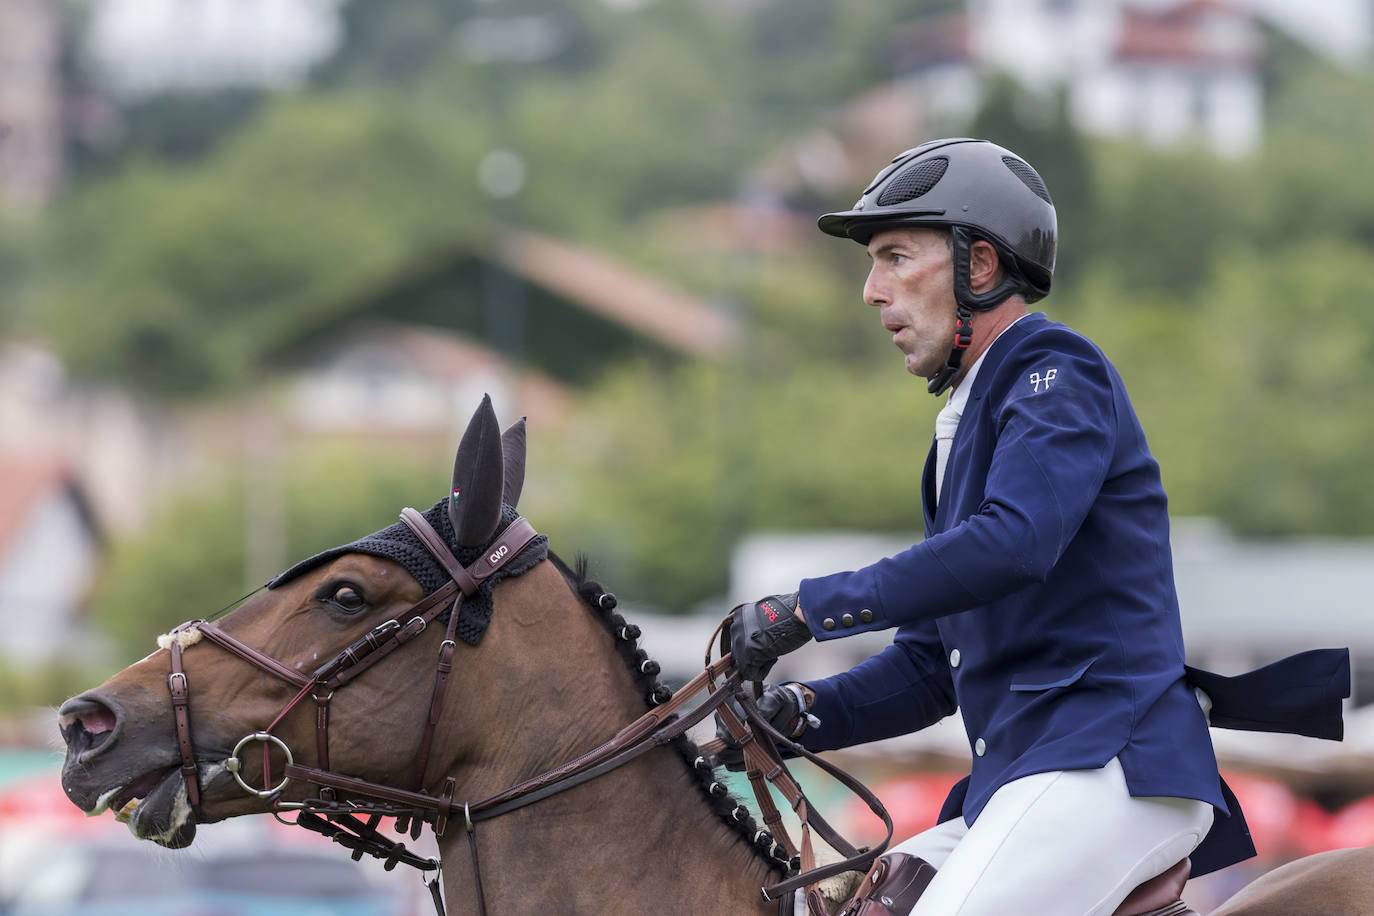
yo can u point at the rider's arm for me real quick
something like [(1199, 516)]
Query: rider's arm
[(900, 690), (1054, 446)]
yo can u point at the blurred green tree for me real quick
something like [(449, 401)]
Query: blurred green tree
[(674, 467), (1229, 293), (181, 281), (1039, 129)]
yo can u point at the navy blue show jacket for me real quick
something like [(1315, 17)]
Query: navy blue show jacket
[(1041, 604)]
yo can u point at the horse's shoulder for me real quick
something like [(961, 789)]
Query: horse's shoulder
[(1337, 881)]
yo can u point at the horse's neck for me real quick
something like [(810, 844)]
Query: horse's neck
[(640, 839), (637, 840)]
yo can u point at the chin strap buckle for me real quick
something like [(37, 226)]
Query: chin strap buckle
[(941, 381), (963, 329)]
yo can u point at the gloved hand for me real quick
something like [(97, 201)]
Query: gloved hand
[(764, 630), (782, 705)]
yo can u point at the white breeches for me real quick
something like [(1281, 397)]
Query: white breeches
[(1069, 843)]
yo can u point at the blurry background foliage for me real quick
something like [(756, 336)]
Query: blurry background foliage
[(1234, 296)]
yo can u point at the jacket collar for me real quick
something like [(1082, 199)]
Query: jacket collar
[(993, 356)]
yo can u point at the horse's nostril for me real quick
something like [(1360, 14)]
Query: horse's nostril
[(85, 721)]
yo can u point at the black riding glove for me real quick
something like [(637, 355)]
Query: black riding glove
[(782, 705), (764, 630)]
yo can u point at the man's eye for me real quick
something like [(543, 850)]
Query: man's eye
[(348, 598)]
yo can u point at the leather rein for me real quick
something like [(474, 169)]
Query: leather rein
[(412, 807)]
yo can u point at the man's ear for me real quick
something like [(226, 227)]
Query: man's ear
[(985, 268)]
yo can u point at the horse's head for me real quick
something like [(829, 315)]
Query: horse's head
[(336, 659)]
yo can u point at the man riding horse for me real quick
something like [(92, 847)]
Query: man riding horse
[(1041, 602)]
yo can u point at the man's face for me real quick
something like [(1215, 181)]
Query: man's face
[(912, 284)]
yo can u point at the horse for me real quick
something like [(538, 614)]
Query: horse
[(454, 657)]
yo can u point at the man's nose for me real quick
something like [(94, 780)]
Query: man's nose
[(873, 292)]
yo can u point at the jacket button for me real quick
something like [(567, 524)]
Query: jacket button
[(828, 623), (954, 658), (847, 620), (866, 615), (980, 747)]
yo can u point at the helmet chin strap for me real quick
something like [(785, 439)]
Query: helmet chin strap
[(941, 381), (968, 302)]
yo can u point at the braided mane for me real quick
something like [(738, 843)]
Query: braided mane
[(645, 671)]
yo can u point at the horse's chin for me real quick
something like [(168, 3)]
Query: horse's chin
[(164, 815)]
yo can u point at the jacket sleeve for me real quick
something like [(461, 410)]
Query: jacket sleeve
[(900, 690), (1054, 446)]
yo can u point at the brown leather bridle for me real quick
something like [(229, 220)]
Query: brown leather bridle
[(658, 727), (372, 647)]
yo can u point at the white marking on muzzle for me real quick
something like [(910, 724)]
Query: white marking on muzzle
[(103, 802)]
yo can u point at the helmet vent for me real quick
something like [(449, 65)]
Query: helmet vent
[(1028, 177), (913, 181)]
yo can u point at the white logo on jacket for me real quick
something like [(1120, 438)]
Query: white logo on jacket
[(1037, 380)]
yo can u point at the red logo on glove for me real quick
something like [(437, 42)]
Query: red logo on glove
[(768, 609)]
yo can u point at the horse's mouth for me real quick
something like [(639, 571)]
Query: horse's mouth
[(155, 806)]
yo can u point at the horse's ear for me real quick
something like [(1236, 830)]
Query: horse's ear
[(474, 506), (513, 448)]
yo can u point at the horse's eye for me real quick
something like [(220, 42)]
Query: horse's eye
[(348, 598)]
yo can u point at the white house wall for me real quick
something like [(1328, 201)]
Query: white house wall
[(950, 91), (43, 580), (1042, 43), (1233, 113), (1167, 103), (1100, 102)]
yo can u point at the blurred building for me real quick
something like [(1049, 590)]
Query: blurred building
[(395, 380), (49, 547), (144, 46), (31, 159), (1181, 73), (117, 450)]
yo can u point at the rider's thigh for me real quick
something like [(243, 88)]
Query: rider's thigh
[(934, 845), (1071, 843)]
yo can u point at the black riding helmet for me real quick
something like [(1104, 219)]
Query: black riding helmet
[(980, 191)]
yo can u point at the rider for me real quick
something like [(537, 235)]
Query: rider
[(1041, 602)]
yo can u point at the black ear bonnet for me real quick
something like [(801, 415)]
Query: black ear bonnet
[(399, 543)]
